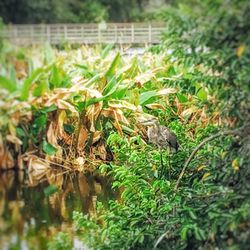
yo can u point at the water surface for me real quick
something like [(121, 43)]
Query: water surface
[(33, 208)]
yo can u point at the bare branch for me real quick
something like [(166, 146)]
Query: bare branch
[(224, 133)]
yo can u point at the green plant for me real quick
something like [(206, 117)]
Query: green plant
[(209, 45), (60, 241)]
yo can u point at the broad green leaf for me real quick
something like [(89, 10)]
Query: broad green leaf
[(202, 94), (199, 234), (55, 78), (69, 128), (85, 71), (106, 50), (48, 148), (131, 70), (31, 66), (27, 83), (182, 98), (40, 121), (111, 71), (184, 232), (7, 84), (81, 66), (192, 215), (49, 55), (20, 132), (92, 80), (49, 190), (94, 100), (48, 109), (120, 92), (41, 88), (111, 86), (13, 75), (144, 97)]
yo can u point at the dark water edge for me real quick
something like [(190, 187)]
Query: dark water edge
[(34, 207)]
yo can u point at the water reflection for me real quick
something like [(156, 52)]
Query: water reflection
[(35, 207)]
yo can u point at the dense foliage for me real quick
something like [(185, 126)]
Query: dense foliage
[(63, 111), (80, 109), (208, 43), (76, 11)]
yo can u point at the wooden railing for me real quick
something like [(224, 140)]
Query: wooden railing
[(121, 33)]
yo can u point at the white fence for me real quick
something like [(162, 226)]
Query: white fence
[(121, 33)]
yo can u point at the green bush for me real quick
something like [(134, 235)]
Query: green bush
[(208, 43)]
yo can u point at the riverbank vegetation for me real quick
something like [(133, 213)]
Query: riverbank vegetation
[(80, 109)]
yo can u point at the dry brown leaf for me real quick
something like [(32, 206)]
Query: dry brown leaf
[(61, 104), (58, 94), (13, 139), (77, 81), (37, 165), (79, 163), (52, 134), (122, 104), (118, 126), (83, 185), (92, 114), (115, 114), (97, 187), (20, 162), (52, 139), (6, 159), (154, 106), (55, 178), (142, 117), (82, 139), (96, 136), (66, 138), (167, 91), (102, 151), (60, 121), (144, 77), (57, 157), (189, 111)]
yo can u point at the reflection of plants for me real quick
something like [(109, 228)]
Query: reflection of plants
[(60, 241)]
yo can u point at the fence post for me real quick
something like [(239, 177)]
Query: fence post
[(133, 33), (31, 34), (99, 33), (48, 33), (82, 32), (143, 33), (116, 35), (149, 33), (15, 34), (65, 32)]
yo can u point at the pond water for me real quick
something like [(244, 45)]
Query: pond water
[(33, 208)]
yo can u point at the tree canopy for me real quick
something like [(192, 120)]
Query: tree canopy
[(75, 11)]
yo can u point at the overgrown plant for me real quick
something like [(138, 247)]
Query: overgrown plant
[(67, 108), (205, 203)]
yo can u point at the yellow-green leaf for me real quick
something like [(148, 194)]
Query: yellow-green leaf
[(235, 165)]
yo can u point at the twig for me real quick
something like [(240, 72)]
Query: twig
[(160, 239), (224, 133)]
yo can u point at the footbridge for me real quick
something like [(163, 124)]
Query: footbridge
[(117, 33)]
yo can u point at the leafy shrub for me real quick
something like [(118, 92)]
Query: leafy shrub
[(207, 43)]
